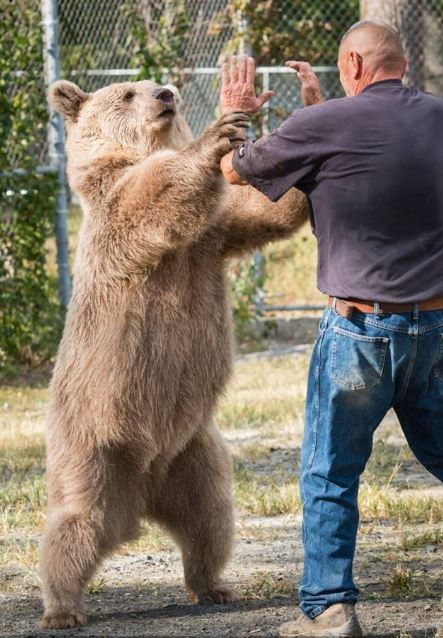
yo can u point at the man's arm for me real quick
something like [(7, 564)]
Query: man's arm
[(229, 172), (238, 93), (310, 85)]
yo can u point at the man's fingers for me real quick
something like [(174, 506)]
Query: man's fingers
[(300, 67), (250, 71), (292, 64), (242, 68), (225, 74), (264, 97), (233, 69)]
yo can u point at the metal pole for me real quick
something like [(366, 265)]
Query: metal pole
[(57, 148), (265, 111)]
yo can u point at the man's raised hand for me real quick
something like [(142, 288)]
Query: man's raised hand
[(310, 85), (237, 89)]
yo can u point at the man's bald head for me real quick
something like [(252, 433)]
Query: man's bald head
[(374, 47), (377, 42)]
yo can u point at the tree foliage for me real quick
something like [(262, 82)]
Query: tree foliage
[(275, 31), (158, 36), (29, 318)]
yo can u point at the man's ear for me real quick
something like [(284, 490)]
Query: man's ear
[(67, 98), (405, 67), (357, 64)]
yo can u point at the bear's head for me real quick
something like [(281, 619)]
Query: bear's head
[(134, 118)]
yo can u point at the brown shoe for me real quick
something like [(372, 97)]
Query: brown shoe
[(337, 620)]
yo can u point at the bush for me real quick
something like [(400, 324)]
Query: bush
[(246, 280), (29, 314)]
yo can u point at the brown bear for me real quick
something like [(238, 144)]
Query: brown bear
[(147, 345)]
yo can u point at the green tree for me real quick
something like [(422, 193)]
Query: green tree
[(29, 318), (275, 31), (159, 33)]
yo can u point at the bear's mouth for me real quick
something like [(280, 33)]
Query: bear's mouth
[(167, 113)]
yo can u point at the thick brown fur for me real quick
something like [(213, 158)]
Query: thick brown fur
[(147, 345)]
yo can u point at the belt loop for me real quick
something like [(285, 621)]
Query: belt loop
[(415, 311), (377, 309), (334, 303)]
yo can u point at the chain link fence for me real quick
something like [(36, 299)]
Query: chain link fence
[(421, 26), (184, 41), (100, 41), (99, 44)]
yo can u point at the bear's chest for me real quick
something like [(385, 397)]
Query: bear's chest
[(186, 285)]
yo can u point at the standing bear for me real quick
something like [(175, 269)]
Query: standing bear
[(147, 345)]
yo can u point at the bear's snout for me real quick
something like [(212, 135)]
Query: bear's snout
[(165, 95)]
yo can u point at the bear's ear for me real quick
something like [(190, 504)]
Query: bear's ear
[(67, 98)]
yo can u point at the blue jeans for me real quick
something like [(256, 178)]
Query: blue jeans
[(360, 368)]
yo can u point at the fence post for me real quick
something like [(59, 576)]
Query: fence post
[(265, 109), (57, 148)]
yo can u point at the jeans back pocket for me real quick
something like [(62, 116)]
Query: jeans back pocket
[(357, 360)]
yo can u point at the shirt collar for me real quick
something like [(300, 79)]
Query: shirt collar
[(384, 83)]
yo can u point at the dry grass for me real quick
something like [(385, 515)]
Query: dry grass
[(266, 585), (96, 585), (385, 503), (152, 539), (408, 583), (265, 393), (271, 499), (262, 416), (431, 538)]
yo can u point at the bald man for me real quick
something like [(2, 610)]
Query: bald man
[(371, 165)]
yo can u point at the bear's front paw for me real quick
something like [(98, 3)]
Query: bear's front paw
[(62, 619), (219, 595), (225, 130)]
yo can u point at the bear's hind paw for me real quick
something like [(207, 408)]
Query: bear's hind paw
[(220, 595), (62, 619)]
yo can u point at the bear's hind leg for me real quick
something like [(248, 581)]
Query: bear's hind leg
[(101, 510), (70, 553), (195, 504)]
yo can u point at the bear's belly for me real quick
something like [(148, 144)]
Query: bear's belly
[(188, 334), (151, 364), (187, 360), (146, 362)]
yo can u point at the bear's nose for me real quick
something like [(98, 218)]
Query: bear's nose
[(165, 95)]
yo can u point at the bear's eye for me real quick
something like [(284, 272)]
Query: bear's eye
[(128, 96)]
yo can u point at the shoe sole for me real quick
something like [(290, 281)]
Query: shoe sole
[(349, 630)]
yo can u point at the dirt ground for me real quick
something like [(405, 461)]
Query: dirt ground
[(139, 591)]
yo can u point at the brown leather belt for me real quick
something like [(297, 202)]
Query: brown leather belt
[(346, 307)]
